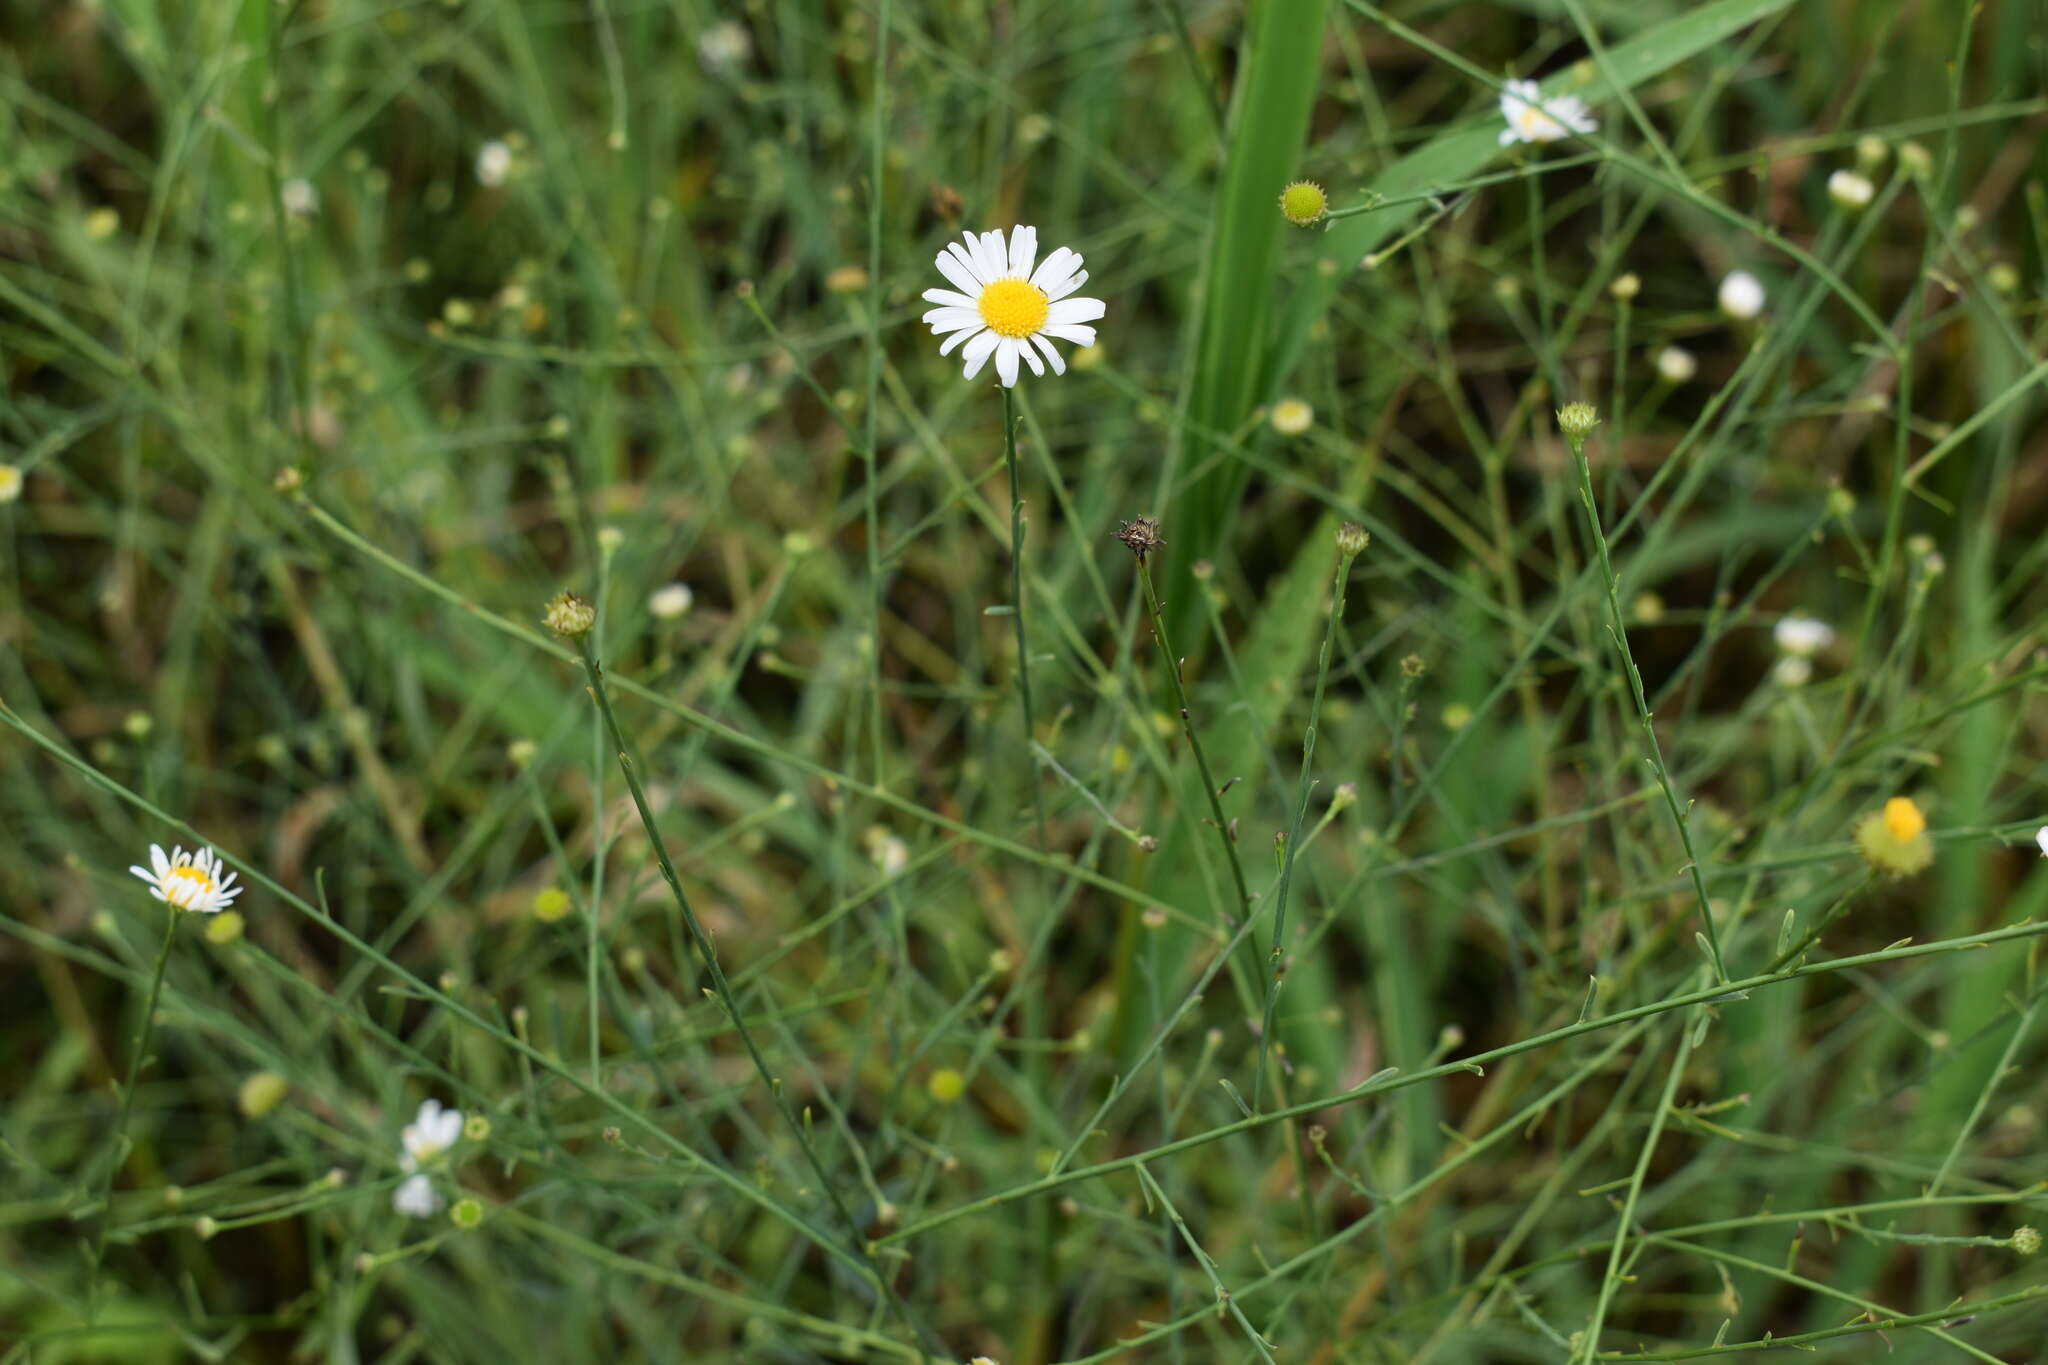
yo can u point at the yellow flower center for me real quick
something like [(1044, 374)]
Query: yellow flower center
[(186, 884), (1014, 308), (1903, 820)]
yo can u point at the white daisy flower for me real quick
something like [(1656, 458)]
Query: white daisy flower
[(671, 601), (493, 164), (1676, 364), (433, 1131), (299, 198), (1006, 309), (198, 882), (1291, 416), (1742, 296), (416, 1197), (1850, 190), (1532, 118), (1803, 636), (722, 47)]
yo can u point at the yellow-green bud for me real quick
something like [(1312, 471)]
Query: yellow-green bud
[(224, 928), (1576, 421), (2025, 1241), (1352, 539), (262, 1092), (1303, 203), (570, 615), (946, 1085), (466, 1214), (476, 1128)]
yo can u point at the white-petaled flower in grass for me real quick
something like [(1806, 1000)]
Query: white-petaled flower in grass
[(670, 601), (1006, 309), (1676, 365), (493, 163), (1802, 635), (198, 882), (1850, 190), (433, 1131), (299, 198), (1532, 118), (416, 1197), (1741, 295)]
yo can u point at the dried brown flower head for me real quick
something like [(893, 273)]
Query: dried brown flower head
[(1140, 536)]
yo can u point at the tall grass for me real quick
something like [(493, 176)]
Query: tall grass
[(1459, 952)]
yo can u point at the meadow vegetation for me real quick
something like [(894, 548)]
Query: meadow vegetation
[(1462, 787)]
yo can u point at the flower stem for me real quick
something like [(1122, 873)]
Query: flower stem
[(723, 988), (1017, 609), (1635, 681), (1187, 728), (1308, 754), (117, 1155)]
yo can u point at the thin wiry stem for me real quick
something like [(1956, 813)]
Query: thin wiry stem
[(701, 941), (1187, 728), (117, 1156), (1308, 755), (1635, 682), (1017, 609)]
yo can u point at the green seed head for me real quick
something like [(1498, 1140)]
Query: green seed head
[(1304, 203)]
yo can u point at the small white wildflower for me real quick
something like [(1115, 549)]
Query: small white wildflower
[(299, 198), (1792, 670), (723, 46), (1532, 118), (667, 603), (416, 1197), (198, 882), (1804, 636), (1291, 416), (888, 851), (493, 164), (1676, 365), (1742, 295), (1004, 308), (1850, 190), (433, 1131)]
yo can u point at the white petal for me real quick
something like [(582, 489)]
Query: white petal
[(1079, 335), (143, 873), (1054, 269), (157, 859), (948, 298), (953, 269), (968, 248), (1074, 281), (995, 253), (951, 319), (1023, 250), (1006, 361), (2041, 838), (1052, 354), (1030, 355), (1068, 311), (965, 334), (977, 352), (1509, 136)]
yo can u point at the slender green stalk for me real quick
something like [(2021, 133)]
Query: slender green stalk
[(1998, 1073), (1577, 441), (1017, 611), (1224, 832), (118, 1144), (701, 941), (1345, 555), (1591, 1340)]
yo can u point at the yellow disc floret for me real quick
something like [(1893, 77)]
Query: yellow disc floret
[(1304, 203), (1014, 308), (1903, 819), (185, 884)]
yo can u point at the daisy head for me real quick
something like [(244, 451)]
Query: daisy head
[(1000, 306), (198, 882), (433, 1131), (1802, 635), (1532, 118), (1741, 295), (416, 1197)]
